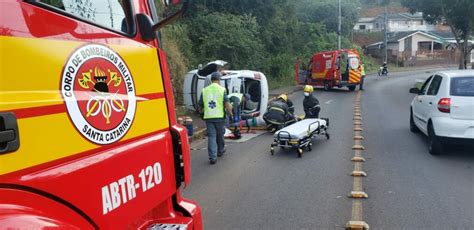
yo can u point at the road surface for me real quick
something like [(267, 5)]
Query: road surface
[(407, 188)]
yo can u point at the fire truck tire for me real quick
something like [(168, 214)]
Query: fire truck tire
[(326, 86), (351, 87)]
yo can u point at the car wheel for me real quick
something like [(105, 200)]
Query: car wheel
[(413, 127), (435, 146)]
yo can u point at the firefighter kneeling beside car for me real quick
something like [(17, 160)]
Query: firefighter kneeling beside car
[(280, 113)]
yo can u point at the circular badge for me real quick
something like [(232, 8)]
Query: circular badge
[(99, 93)]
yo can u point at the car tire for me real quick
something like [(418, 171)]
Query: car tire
[(435, 147), (413, 127)]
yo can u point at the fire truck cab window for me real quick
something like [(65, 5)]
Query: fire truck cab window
[(107, 13)]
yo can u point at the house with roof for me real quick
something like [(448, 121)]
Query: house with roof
[(417, 45), (409, 43), (395, 22), (365, 24)]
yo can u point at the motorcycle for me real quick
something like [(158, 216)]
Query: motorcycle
[(383, 70)]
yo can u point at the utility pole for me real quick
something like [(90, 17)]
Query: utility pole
[(385, 35), (339, 28)]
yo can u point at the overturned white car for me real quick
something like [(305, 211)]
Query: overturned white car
[(249, 82)]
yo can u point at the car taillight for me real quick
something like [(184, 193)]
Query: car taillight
[(444, 105)]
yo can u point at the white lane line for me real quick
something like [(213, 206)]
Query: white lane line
[(328, 102)]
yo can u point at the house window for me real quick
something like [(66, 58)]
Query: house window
[(361, 27)]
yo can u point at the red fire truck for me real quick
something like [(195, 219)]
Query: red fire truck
[(88, 134), (329, 69)]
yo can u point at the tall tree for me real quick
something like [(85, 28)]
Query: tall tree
[(233, 38), (456, 13), (326, 12)]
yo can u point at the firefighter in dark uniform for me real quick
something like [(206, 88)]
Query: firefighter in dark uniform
[(310, 103), (280, 112)]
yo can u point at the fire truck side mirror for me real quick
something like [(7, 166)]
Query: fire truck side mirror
[(173, 17), (145, 26)]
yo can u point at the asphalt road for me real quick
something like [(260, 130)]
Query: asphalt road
[(408, 188)]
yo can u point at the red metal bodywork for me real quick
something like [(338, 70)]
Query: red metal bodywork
[(61, 193), (323, 69)]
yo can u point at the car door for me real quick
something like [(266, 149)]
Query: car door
[(418, 106), (429, 104)]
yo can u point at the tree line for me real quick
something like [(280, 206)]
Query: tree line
[(260, 35)]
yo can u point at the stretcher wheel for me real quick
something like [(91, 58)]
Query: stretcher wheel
[(300, 152), (327, 136), (310, 146), (272, 150)]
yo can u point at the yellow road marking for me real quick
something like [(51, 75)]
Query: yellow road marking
[(356, 221)]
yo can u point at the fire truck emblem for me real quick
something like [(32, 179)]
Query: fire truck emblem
[(99, 93)]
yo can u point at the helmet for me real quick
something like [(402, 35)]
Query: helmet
[(308, 89), (284, 97)]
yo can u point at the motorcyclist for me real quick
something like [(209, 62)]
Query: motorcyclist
[(383, 69), (280, 112), (310, 103)]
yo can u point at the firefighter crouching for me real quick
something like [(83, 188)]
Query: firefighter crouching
[(280, 113), (237, 100), (310, 103)]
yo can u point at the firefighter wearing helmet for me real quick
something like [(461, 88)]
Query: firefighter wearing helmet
[(280, 113), (310, 103)]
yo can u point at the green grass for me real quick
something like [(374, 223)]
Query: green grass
[(276, 83), (182, 111)]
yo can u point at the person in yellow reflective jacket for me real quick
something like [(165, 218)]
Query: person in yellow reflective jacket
[(362, 76), (213, 104)]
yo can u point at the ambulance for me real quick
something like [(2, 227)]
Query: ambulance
[(339, 68), (88, 130)]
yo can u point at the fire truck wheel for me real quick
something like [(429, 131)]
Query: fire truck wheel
[(351, 87), (326, 86)]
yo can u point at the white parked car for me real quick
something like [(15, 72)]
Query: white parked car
[(444, 109)]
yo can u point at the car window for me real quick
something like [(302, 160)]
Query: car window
[(462, 86), (107, 13), (425, 85), (434, 86)]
